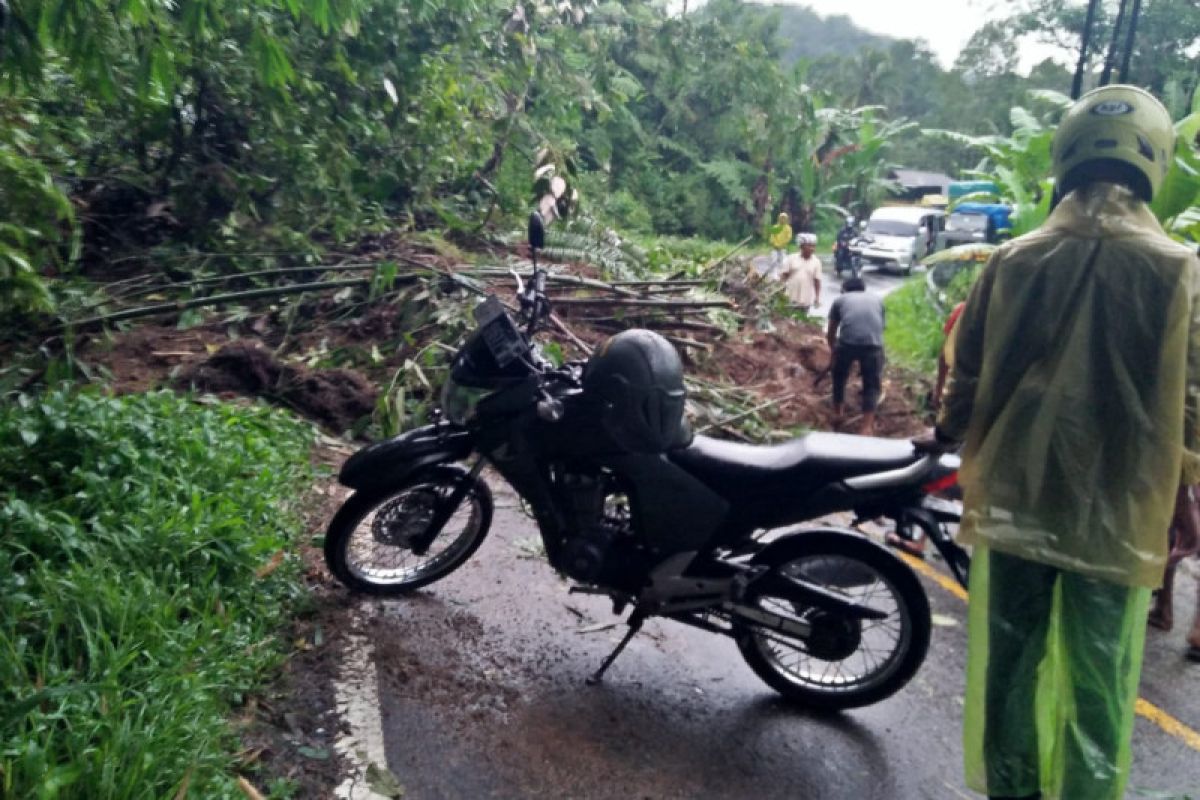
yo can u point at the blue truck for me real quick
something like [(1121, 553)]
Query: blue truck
[(978, 222)]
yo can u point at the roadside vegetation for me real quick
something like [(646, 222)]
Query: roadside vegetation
[(146, 568), (301, 201)]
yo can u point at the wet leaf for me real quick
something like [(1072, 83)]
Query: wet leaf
[(382, 781), (315, 753)]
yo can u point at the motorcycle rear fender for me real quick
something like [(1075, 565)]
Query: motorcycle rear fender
[(394, 460), (794, 545)]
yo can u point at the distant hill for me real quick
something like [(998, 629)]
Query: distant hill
[(803, 33)]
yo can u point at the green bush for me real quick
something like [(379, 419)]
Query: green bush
[(135, 612), (913, 336)]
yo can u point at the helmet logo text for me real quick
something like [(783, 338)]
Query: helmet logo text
[(1112, 108)]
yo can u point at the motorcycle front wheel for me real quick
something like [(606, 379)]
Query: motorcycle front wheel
[(369, 545), (843, 662)]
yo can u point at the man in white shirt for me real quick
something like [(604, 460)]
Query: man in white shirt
[(801, 274)]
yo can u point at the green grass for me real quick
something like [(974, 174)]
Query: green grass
[(913, 336), (132, 619)]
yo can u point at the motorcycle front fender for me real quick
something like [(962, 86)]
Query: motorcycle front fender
[(393, 460)]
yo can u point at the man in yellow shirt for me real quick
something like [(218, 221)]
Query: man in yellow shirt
[(1074, 390)]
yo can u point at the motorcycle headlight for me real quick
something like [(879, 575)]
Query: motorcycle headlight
[(458, 401)]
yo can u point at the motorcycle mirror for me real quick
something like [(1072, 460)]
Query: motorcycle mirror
[(537, 231)]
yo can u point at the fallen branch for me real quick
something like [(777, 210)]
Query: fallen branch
[(725, 257), (220, 299), (639, 303), (682, 341), (570, 334), (747, 413), (664, 281)]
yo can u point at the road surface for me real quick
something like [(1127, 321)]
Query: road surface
[(881, 282), (481, 694)]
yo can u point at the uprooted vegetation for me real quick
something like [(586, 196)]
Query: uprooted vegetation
[(361, 344)]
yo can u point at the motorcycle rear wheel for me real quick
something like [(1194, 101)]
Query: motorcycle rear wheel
[(367, 545), (844, 663)]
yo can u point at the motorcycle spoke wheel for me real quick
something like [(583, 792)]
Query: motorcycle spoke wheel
[(370, 544), (843, 662)]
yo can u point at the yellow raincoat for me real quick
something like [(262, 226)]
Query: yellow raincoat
[(1075, 388), (1075, 391), (781, 233)]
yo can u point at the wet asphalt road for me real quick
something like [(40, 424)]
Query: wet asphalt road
[(481, 684), (879, 281)]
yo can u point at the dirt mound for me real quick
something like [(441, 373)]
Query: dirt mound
[(337, 398), (791, 362)]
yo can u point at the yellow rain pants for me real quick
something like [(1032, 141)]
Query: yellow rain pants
[(1052, 674), (1075, 389)]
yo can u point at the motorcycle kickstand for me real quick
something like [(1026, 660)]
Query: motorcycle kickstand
[(635, 624)]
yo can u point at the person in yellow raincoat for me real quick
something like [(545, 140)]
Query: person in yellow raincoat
[(1074, 391), (780, 236)]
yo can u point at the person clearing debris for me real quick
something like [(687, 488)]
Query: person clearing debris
[(855, 334), (1074, 391)]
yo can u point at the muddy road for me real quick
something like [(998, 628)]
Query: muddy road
[(481, 694)]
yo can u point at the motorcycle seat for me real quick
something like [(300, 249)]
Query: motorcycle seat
[(796, 467)]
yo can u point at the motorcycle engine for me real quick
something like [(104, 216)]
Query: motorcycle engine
[(600, 524)]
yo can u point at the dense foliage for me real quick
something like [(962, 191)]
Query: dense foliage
[(202, 135), (138, 604), (266, 128)]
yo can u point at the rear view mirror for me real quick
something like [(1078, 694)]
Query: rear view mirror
[(537, 231)]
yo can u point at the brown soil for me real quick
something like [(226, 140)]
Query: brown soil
[(336, 398), (792, 361)]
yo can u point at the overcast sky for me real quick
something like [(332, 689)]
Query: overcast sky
[(945, 24)]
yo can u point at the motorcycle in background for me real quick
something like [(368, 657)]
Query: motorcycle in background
[(847, 250), (631, 506)]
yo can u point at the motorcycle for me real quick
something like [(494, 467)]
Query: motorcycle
[(846, 258), (632, 507)]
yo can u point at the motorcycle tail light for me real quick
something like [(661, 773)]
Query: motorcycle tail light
[(941, 484)]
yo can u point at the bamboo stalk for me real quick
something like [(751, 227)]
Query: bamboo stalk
[(641, 303), (747, 413), (262, 273), (218, 299), (662, 282), (552, 277), (725, 257)]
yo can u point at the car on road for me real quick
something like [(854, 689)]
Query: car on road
[(900, 236)]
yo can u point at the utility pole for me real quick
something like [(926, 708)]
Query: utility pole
[(1133, 21), (1085, 40), (1110, 60)]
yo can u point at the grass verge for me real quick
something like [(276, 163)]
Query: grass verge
[(144, 573), (913, 336)]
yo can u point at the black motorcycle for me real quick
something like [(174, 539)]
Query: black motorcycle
[(847, 252), (631, 506)]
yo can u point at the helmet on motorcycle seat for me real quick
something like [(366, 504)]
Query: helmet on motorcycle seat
[(637, 378), (1114, 133)]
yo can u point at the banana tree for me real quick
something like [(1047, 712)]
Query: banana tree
[(1177, 204)]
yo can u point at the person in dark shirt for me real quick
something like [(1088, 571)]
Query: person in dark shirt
[(855, 334)]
